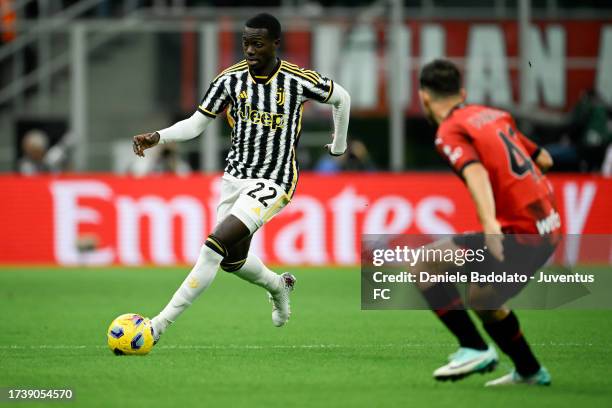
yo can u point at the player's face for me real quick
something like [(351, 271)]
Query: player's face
[(425, 99), (259, 49)]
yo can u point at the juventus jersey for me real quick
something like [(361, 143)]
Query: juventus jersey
[(265, 114)]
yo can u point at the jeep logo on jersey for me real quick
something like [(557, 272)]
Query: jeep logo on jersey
[(272, 120)]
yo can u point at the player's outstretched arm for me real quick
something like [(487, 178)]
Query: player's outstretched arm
[(477, 181), (341, 110), (184, 130)]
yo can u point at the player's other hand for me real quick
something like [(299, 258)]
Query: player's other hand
[(494, 240), (329, 148), (144, 141)]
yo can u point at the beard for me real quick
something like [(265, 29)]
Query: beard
[(429, 116), (427, 112)]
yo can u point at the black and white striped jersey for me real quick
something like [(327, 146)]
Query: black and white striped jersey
[(265, 114)]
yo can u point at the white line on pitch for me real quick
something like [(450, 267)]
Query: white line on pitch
[(272, 346)]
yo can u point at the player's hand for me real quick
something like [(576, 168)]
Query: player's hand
[(494, 240), (143, 142), (328, 147)]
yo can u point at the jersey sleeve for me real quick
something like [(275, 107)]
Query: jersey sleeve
[(456, 147), (317, 87), (532, 148), (215, 99)]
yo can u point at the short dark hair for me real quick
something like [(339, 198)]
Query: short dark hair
[(441, 77), (267, 21)]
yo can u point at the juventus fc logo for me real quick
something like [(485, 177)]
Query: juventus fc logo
[(280, 96)]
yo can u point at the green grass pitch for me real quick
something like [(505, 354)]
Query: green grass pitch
[(224, 351)]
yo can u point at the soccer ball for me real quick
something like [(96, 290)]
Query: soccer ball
[(130, 333)]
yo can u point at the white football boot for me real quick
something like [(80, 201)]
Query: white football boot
[(542, 377), (281, 310), (467, 361), (157, 329)]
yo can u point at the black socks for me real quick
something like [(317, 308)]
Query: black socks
[(508, 336), (445, 301)]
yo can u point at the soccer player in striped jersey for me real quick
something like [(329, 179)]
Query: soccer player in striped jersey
[(263, 98)]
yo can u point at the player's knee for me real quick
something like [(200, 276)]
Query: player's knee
[(216, 245), (484, 315), (483, 300), (489, 316), (232, 265), (479, 302)]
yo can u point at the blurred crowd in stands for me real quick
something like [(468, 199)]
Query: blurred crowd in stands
[(37, 156), (581, 143), (585, 143)]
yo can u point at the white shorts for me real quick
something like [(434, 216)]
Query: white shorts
[(252, 201)]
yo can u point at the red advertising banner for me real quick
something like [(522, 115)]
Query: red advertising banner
[(163, 220)]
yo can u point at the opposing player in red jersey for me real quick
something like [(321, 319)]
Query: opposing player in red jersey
[(503, 171)]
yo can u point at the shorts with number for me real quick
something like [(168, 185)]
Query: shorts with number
[(252, 201)]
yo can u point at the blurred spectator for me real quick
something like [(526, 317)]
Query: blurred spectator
[(564, 153), (164, 160), (589, 134), (38, 157), (169, 161), (356, 158), (590, 120), (34, 146)]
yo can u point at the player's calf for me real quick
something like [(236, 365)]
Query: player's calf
[(197, 281)]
